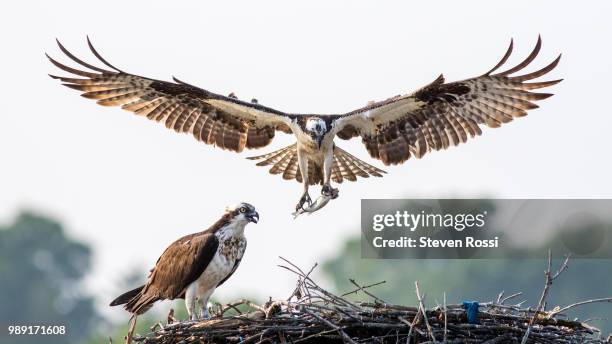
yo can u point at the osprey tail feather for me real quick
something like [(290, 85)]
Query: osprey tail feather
[(126, 297), (346, 166), (134, 301)]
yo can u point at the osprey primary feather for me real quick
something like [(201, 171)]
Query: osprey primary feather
[(434, 117)]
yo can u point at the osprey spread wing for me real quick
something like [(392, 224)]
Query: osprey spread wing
[(434, 117)]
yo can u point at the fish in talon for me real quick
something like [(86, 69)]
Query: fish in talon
[(321, 201)]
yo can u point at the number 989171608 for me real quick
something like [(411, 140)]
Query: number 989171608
[(26, 330)]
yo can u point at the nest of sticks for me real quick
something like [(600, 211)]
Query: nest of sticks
[(314, 315)]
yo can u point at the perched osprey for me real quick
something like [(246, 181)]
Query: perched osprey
[(195, 265), (434, 117)]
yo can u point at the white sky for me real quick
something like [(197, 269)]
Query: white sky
[(130, 187)]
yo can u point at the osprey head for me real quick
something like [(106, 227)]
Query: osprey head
[(243, 212), (316, 128)]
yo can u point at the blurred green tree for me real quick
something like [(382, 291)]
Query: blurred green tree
[(41, 274)]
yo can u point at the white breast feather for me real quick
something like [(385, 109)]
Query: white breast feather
[(220, 266)]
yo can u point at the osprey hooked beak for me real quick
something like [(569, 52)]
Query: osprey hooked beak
[(253, 216), (245, 210), (319, 139)]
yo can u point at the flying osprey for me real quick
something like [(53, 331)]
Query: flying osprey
[(434, 117), (193, 266)]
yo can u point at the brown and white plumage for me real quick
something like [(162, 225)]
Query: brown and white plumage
[(285, 161), (193, 266), (222, 121), (441, 114), (434, 117)]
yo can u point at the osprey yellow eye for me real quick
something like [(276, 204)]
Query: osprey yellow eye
[(243, 210)]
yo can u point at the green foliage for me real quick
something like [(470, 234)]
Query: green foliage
[(40, 274)]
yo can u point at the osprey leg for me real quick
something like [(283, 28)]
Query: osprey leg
[(327, 189), (202, 303), (190, 301), (303, 161), (304, 199)]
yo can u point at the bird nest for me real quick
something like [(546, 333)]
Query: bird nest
[(314, 315)]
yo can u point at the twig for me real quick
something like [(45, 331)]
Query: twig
[(422, 307), (510, 297), (328, 323), (446, 319), (410, 325), (233, 306), (366, 292), (257, 307), (312, 269), (319, 334), (132, 327), (561, 310), (252, 338), (547, 283), (170, 319), (594, 319), (364, 287), (294, 266), (156, 325), (499, 296)]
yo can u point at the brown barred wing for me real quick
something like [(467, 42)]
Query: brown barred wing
[(345, 167), (441, 114), (225, 122), (349, 167), (180, 265)]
